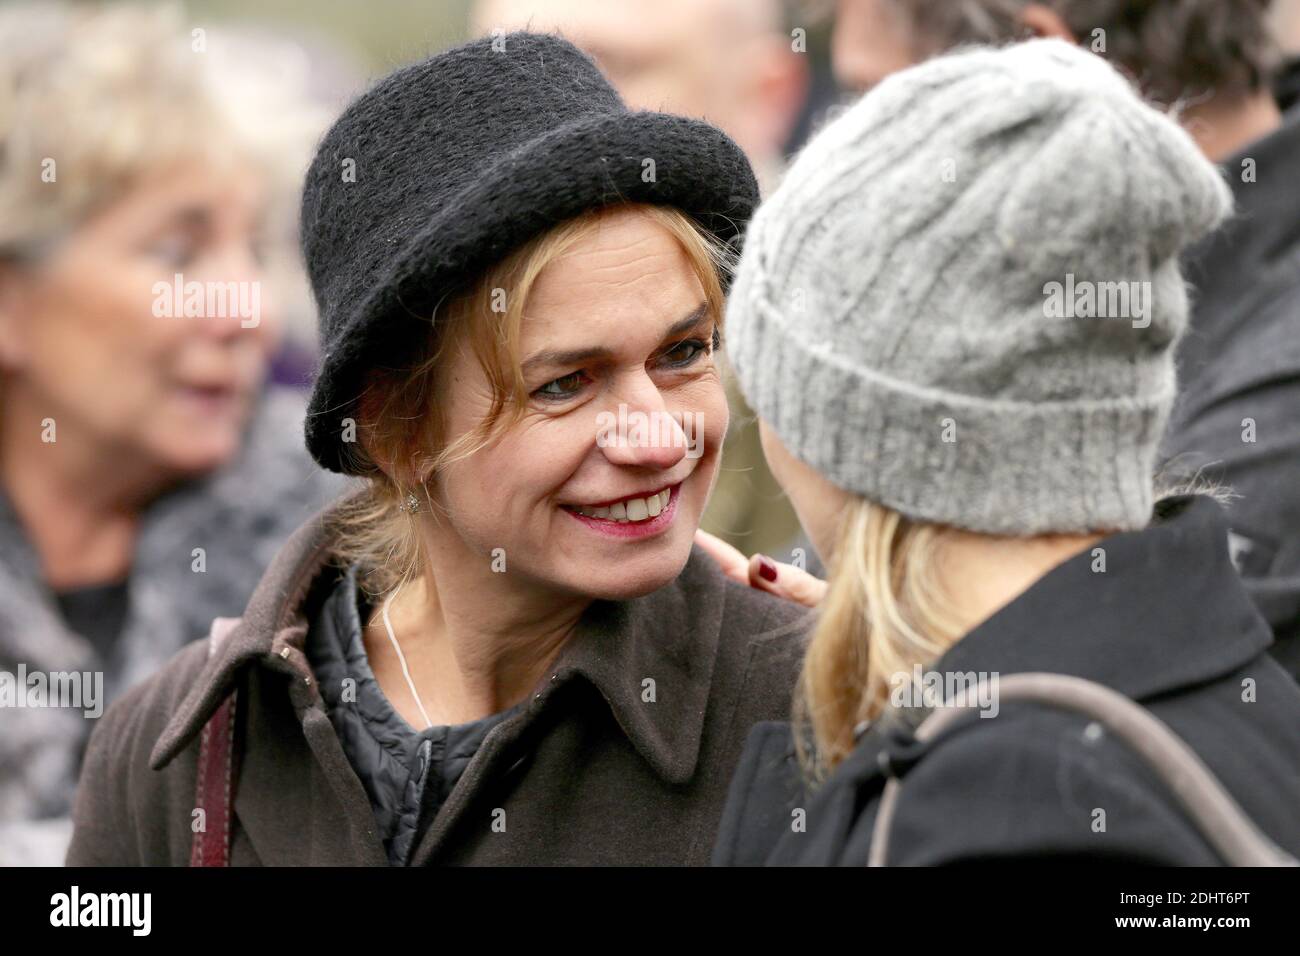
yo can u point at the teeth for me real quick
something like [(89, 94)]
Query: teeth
[(637, 509)]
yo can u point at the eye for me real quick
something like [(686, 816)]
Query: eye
[(561, 388), (685, 352), (176, 250)]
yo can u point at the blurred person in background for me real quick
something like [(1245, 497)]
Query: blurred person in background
[(282, 91), (729, 62), (1239, 366), (732, 63), (1286, 27), (146, 473)]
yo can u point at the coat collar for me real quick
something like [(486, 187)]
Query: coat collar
[(1168, 611), (272, 632), (652, 661), (650, 658)]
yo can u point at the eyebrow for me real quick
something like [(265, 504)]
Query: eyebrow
[(555, 357)]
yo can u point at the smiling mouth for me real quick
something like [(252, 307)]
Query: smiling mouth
[(210, 395), (629, 510)]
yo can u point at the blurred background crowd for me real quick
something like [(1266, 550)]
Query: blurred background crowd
[(140, 140)]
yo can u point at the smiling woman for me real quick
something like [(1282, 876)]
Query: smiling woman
[(503, 648), (617, 309)]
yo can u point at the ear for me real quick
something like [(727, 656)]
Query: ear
[(402, 469), (369, 405), (1043, 21)]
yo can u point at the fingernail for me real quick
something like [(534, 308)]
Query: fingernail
[(766, 569)]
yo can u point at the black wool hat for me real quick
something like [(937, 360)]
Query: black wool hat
[(445, 167)]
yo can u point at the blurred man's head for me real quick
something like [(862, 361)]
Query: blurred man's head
[(727, 61), (1175, 49), (1214, 58)]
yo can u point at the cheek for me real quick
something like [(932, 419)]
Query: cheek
[(706, 403), (792, 475), (505, 490), (477, 508), (119, 303), (774, 452), (92, 325), (717, 418), (816, 501)]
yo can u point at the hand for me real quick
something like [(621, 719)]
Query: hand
[(760, 571)]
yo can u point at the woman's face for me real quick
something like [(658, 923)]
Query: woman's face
[(816, 501), (95, 337), (598, 489)]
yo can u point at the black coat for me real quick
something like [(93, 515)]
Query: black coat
[(1168, 624), (1236, 418)]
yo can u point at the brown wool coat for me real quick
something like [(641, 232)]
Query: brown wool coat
[(589, 772)]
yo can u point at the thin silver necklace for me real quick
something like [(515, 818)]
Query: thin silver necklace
[(406, 671)]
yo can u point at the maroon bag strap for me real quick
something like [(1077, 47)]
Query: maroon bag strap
[(214, 791)]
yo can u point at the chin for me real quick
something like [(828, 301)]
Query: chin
[(633, 579), (194, 459)]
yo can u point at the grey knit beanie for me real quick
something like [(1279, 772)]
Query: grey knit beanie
[(962, 301)]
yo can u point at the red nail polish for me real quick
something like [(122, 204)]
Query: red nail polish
[(766, 569)]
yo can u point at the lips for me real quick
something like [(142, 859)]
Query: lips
[(630, 508), (630, 517), (209, 391), (208, 399)]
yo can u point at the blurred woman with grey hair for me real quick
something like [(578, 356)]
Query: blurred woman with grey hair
[(146, 472)]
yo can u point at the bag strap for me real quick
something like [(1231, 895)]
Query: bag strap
[(218, 770), (1220, 819)]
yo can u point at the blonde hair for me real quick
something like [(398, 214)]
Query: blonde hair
[(885, 612), (401, 434)]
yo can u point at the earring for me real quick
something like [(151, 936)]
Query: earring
[(411, 505)]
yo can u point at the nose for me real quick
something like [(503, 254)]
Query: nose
[(639, 431), (241, 306)]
